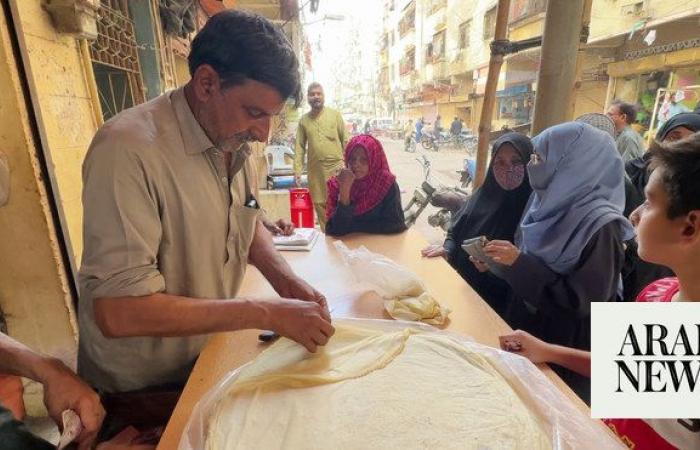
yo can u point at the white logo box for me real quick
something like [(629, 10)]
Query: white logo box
[(613, 390)]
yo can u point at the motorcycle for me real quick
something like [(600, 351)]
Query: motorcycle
[(451, 200), (465, 140), (433, 141), (410, 143), (422, 195)]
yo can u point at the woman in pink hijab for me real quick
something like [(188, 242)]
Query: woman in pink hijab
[(364, 197)]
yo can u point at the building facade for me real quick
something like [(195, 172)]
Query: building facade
[(435, 58)]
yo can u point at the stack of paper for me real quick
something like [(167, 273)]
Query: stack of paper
[(303, 239)]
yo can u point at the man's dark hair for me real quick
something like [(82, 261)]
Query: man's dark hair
[(628, 109), (313, 85), (242, 46), (680, 165)]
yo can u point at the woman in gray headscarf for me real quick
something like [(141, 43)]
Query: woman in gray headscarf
[(604, 123), (570, 249)]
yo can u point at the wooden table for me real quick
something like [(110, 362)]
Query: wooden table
[(322, 267)]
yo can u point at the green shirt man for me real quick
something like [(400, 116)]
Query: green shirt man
[(629, 143), (321, 136)]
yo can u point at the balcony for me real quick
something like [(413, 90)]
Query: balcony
[(406, 68), (409, 80), (459, 65), (407, 63), (523, 9), (440, 70), (408, 21), (435, 71), (436, 5), (406, 27)]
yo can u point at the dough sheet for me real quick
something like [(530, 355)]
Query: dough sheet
[(372, 390)]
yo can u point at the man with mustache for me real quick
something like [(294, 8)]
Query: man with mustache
[(322, 137), (171, 221)]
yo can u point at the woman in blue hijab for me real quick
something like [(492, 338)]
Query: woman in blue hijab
[(569, 249)]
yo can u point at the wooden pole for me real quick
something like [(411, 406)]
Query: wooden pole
[(557, 75), (495, 64), (581, 56)]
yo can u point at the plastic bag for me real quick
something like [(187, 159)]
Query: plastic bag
[(405, 295), (566, 426)]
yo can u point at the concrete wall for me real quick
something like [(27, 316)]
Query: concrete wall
[(590, 97), (182, 70), (58, 80), (607, 18), (34, 293)]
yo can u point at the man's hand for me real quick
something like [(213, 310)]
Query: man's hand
[(433, 251), (526, 345), (306, 322), (502, 252), (285, 226), (297, 180), (300, 289), (64, 390), (281, 227)]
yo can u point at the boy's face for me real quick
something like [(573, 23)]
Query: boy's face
[(661, 240)]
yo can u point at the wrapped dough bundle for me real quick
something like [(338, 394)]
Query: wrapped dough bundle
[(405, 295), (422, 308)]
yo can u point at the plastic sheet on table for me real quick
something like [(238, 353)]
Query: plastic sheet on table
[(566, 425)]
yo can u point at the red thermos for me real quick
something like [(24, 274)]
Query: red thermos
[(302, 208)]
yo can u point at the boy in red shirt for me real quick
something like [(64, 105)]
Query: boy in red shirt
[(668, 233)]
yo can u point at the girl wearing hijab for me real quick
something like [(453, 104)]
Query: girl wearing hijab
[(569, 250), (675, 128), (364, 197), (494, 211)]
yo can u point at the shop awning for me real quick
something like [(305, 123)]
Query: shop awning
[(513, 90)]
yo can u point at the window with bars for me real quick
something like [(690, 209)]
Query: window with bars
[(115, 59)]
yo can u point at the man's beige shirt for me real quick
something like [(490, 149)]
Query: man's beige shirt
[(159, 216)]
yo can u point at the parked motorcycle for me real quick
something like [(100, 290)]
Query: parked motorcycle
[(433, 141), (421, 195), (451, 200), (465, 140)]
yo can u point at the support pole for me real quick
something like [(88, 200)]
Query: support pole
[(557, 74), (581, 57), (495, 64)]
